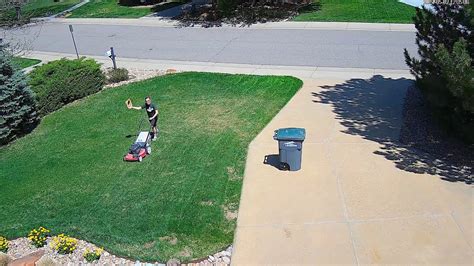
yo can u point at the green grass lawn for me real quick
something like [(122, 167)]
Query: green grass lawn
[(22, 62), (39, 8), (386, 11), (109, 9), (68, 174)]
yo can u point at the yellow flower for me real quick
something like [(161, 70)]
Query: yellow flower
[(3, 244)]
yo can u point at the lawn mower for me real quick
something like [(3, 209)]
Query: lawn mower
[(140, 148)]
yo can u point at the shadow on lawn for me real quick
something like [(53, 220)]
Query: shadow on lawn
[(200, 13), (374, 109), (313, 7)]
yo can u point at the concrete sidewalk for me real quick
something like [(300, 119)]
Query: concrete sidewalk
[(149, 21), (350, 203)]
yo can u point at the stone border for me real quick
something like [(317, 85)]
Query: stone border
[(20, 247)]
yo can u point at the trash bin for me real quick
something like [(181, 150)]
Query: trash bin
[(290, 146)]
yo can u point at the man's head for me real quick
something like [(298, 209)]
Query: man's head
[(148, 100)]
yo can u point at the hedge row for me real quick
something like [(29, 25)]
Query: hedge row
[(60, 82)]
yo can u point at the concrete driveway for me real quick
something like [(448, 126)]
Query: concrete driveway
[(357, 199)]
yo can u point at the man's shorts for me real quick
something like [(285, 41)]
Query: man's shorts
[(153, 122)]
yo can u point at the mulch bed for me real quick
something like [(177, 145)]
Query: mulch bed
[(421, 131)]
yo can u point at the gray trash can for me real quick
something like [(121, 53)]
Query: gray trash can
[(290, 146)]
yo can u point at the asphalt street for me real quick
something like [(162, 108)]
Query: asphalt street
[(286, 47)]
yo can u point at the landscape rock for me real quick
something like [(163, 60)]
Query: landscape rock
[(4, 259), (173, 262), (47, 261), (28, 260), (226, 253), (226, 260), (203, 16)]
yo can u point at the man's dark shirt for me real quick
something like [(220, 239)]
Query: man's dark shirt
[(150, 109)]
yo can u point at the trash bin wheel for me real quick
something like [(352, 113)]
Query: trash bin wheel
[(284, 166)]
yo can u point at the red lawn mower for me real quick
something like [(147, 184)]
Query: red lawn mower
[(140, 148)]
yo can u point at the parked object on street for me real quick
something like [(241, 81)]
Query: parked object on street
[(290, 147)]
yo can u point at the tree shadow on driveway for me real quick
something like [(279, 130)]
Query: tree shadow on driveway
[(374, 109)]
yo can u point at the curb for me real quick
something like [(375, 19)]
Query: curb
[(288, 25)]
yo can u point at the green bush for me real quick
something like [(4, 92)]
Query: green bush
[(60, 82), (226, 6), (117, 75)]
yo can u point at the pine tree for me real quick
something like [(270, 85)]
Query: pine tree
[(444, 68), (17, 104)]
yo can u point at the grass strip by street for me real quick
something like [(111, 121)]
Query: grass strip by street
[(22, 62), (375, 11), (180, 202), (109, 9), (38, 8)]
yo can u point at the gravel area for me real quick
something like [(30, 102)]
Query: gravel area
[(441, 153), (22, 246), (139, 74)]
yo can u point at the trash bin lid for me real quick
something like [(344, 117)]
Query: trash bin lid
[(290, 133)]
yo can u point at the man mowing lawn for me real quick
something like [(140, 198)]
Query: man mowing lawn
[(151, 111)]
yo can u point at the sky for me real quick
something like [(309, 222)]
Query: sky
[(412, 2)]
